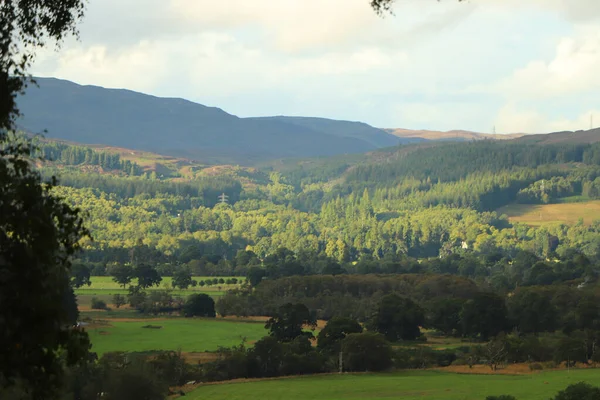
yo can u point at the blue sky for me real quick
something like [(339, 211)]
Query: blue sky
[(433, 65)]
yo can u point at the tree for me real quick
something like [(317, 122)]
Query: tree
[(501, 397), (579, 391), (80, 275), (366, 352), (398, 318), (255, 275), (330, 337), (122, 274), (532, 311), (26, 26), (182, 278), (443, 315), (147, 276), (268, 355), (485, 315), (199, 305), (38, 231), (289, 321), (119, 300)]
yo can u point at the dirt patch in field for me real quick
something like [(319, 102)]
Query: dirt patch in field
[(511, 369)]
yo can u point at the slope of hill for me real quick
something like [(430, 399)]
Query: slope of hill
[(454, 135), (122, 118), (358, 130), (566, 137)]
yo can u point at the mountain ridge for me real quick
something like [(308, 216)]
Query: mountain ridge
[(179, 127)]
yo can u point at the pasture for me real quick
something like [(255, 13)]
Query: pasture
[(185, 334), (103, 287), (409, 385), (539, 214)]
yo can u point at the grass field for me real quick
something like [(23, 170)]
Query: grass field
[(535, 214), (411, 385), (187, 335), (103, 287)]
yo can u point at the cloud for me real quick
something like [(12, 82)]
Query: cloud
[(573, 69), (337, 58), (518, 118)]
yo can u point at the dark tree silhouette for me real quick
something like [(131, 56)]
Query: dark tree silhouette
[(335, 331), (38, 231), (147, 276), (398, 318), (199, 305), (287, 324)]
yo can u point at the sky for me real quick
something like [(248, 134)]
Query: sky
[(526, 66)]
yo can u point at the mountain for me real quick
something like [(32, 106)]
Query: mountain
[(358, 130), (177, 127), (455, 135), (565, 137)]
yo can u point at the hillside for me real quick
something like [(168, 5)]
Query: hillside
[(566, 137), (454, 135), (177, 127), (359, 130)]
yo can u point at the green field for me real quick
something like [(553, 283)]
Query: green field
[(412, 385), (538, 214), (187, 335), (103, 287)]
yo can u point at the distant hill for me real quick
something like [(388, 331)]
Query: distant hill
[(177, 127), (455, 135), (566, 137), (358, 130)]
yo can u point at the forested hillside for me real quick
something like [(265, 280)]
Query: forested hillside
[(418, 201)]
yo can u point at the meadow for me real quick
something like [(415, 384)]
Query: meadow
[(104, 288), (538, 214), (408, 385), (187, 335)]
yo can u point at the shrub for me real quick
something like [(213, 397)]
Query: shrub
[(199, 305), (366, 352), (98, 304), (579, 391), (119, 300)]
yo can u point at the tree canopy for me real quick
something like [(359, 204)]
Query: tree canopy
[(38, 231)]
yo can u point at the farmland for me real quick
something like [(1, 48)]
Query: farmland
[(187, 335), (103, 288), (539, 214), (409, 385)]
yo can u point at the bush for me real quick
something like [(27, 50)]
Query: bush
[(366, 352), (98, 304), (579, 391), (119, 300), (199, 305)]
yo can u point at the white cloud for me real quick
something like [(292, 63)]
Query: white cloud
[(574, 69), (515, 118), (336, 58)]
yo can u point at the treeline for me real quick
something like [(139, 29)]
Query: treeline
[(80, 155), (453, 162), (351, 290), (579, 182), (204, 191)]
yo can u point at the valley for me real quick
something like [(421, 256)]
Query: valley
[(299, 200)]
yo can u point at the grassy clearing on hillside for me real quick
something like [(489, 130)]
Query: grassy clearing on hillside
[(410, 385), (536, 214), (188, 335)]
